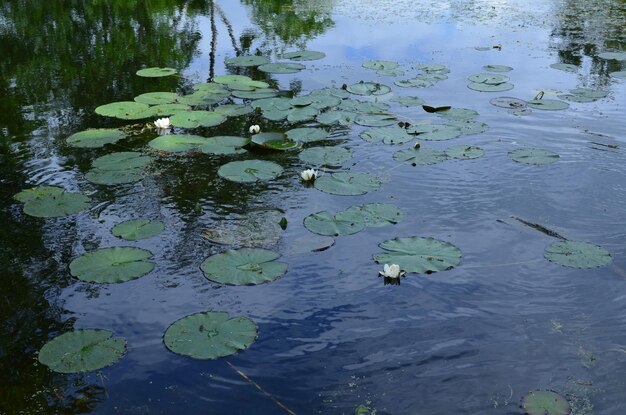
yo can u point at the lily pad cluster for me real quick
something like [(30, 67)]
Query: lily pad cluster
[(387, 68), (429, 75), (489, 82), (353, 219), (51, 201)]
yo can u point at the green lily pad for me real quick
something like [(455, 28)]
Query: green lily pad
[(195, 119), (316, 100), (164, 110), (303, 55), (260, 228), (380, 65), (461, 114), (488, 78), (274, 141), (336, 92), (387, 135), (548, 104), (509, 102), (567, 67), (577, 254), (268, 104), (247, 60), (421, 156), (245, 266), (306, 134), (233, 79), (327, 224), (118, 168), (260, 93), (497, 68), (201, 98), (218, 88), (375, 215), (464, 152), (325, 156), (484, 87), (344, 118), (368, 88), (584, 95), (545, 403), (421, 255), (156, 72), (469, 127), (233, 110), (390, 72), (375, 120), (432, 67), (156, 98), (435, 132), (112, 265), (533, 156), (409, 101), (299, 114), (178, 143), (210, 335), (125, 110), (361, 106), (347, 183), (223, 145), (281, 67), (81, 351), (249, 171), (618, 56), (618, 74), (136, 229), (414, 83), (50, 201), (95, 138)]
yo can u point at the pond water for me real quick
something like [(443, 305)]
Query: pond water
[(332, 336)]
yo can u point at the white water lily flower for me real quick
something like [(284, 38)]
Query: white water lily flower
[(391, 271), (308, 175), (162, 123), (254, 129)]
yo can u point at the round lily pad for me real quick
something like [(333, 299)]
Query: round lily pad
[(567, 67), (421, 255), (618, 56), (464, 152), (81, 351), (111, 265), (432, 67), (245, 266), (156, 98), (223, 145), (325, 156), (548, 104), (577, 254), (421, 156), (533, 156), (247, 60), (259, 93), (50, 201), (274, 141), (497, 68), (210, 335), (194, 119), (136, 229), (375, 215), (409, 101), (375, 120), (177, 143), (303, 55), (125, 110), (218, 88), (469, 127), (380, 65), (363, 106), (414, 83), (337, 117), (249, 171), (118, 168), (156, 72), (318, 101), (488, 78), (484, 87), (281, 67), (164, 110), (327, 224), (368, 88), (387, 135), (302, 114), (508, 102), (461, 114), (201, 98), (390, 72), (233, 110), (306, 134), (435, 132), (347, 183), (545, 403), (95, 138), (259, 228), (584, 95)]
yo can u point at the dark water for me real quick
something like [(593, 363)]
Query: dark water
[(472, 340)]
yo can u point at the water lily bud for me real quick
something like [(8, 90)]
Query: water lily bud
[(162, 123), (308, 175), (254, 129)]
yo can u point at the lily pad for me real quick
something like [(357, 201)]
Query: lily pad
[(156, 72), (281, 67), (178, 143), (233, 110), (247, 60), (303, 55), (218, 88), (577, 254), (368, 88), (194, 119), (376, 215), (461, 114), (380, 65), (274, 141), (259, 93), (497, 68), (567, 67), (409, 101), (421, 156), (164, 110), (318, 101), (390, 72), (361, 106), (432, 67), (344, 118), (245, 266), (125, 110), (470, 127), (387, 135), (210, 335), (484, 87), (509, 102), (584, 95), (618, 56), (375, 119), (50, 201), (325, 156), (464, 152), (201, 98), (618, 74), (299, 114), (260, 228), (347, 183), (548, 104), (136, 229), (81, 351), (95, 138), (488, 78), (414, 83), (118, 168), (545, 403), (327, 224), (421, 255), (157, 98), (435, 132), (533, 156), (112, 265), (249, 171), (223, 145), (306, 134)]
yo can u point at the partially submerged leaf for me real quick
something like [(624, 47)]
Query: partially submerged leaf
[(567, 67), (533, 156), (577, 254), (112, 265), (548, 104), (257, 229), (378, 65), (387, 135), (118, 168), (464, 152), (245, 266)]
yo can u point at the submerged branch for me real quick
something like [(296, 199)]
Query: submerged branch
[(540, 228)]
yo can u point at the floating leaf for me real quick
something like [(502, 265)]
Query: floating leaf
[(347, 183), (484, 87), (125, 110), (257, 229), (414, 83), (545, 403), (306, 134), (156, 98), (376, 215), (111, 265), (303, 55), (577, 254), (548, 104), (233, 110), (95, 138), (50, 201), (194, 119), (260, 93), (327, 224), (136, 229), (421, 255), (464, 152), (81, 351), (201, 98), (236, 79), (337, 117), (360, 106), (380, 65), (584, 95), (432, 67), (316, 100), (336, 92), (387, 135), (218, 88), (249, 171), (274, 141), (421, 156), (281, 67), (368, 88), (470, 127), (488, 78), (436, 132), (118, 168), (618, 56), (508, 102), (461, 114), (247, 60), (325, 156), (177, 143), (164, 110), (409, 101), (533, 156), (567, 67), (302, 114), (431, 110), (223, 145), (210, 335), (156, 72), (497, 68), (245, 266), (390, 72), (375, 120)]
